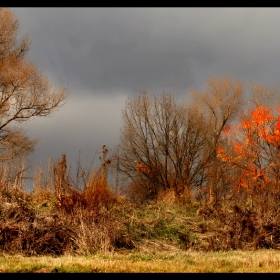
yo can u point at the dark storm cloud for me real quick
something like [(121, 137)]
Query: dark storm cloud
[(108, 50), (129, 49)]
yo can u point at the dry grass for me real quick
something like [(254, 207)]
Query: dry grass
[(61, 228), (261, 261)]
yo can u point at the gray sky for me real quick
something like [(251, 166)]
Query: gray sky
[(104, 55)]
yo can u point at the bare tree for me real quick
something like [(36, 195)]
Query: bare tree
[(162, 145), (219, 104), (24, 91)]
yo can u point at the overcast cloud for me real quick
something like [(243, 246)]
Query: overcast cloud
[(104, 55)]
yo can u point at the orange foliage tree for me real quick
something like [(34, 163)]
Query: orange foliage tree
[(253, 152)]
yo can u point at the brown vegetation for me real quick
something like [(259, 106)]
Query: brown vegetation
[(95, 219), (25, 92)]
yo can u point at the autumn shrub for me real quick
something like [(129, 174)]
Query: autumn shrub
[(26, 231), (253, 150)]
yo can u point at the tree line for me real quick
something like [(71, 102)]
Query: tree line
[(202, 148)]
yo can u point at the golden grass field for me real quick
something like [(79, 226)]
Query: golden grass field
[(261, 261)]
